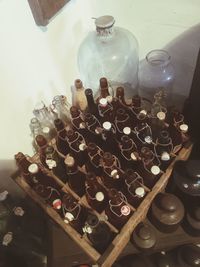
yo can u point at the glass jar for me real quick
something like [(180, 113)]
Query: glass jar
[(155, 72), (110, 52)]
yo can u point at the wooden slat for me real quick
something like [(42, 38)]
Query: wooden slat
[(94, 255)]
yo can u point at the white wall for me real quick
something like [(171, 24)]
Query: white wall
[(38, 63)]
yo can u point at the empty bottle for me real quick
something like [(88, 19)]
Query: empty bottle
[(62, 107), (79, 98)]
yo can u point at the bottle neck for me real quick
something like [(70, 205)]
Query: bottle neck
[(105, 33)]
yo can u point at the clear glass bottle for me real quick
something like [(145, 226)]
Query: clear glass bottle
[(156, 71), (62, 107), (110, 52)]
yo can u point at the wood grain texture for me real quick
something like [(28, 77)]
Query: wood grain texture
[(44, 10)]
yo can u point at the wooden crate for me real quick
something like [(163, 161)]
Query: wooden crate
[(123, 236)]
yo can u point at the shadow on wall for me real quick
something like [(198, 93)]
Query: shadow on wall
[(184, 50), (7, 167)]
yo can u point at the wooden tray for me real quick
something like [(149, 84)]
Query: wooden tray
[(122, 237)]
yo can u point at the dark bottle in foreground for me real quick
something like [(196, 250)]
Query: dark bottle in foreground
[(42, 144), (76, 178), (189, 256), (91, 105), (23, 163), (191, 223), (144, 237), (118, 211), (164, 259), (94, 128), (61, 139), (98, 233), (96, 194), (94, 163), (167, 212), (73, 213), (55, 163), (77, 120)]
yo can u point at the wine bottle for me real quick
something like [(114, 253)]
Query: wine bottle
[(61, 140)]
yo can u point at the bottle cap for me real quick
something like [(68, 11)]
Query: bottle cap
[(87, 229), (99, 196), (107, 125), (3, 195), (57, 204), (161, 115), (109, 98), (69, 161), (127, 130), (7, 239), (45, 130), (155, 170), (165, 156), (184, 128), (18, 211), (33, 168), (114, 174), (133, 157), (104, 21), (82, 125), (148, 139), (140, 192), (125, 210), (51, 163), (69, 217), (144, 112), (82, 146), (103, 102)]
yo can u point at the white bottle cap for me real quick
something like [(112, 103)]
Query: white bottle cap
[(99, 196), (165, 156), (155, 170), (69, 216), (148, 139), (140, 192), (107, 125), (82, 146), (82, 125), (3, 195), (18, 211), (104, 21), (57, 204), (45, 130), (114, 174), (103, 102), (125, 210), (184, 128), (144, 112), (87, 229), (127, 130), (161, 115), (133, 157), (33, 168), (109, 98), (69, 161)]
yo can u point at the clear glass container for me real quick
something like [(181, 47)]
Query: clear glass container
[(110, 52), (155, 72)]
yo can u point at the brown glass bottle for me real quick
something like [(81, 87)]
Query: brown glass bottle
[(129, 153), (113, 176), (167, 212), (136, 105), (122, 120), (105, 110), (23, 164), (144, 237), (51, 196), (61, 140), (74, 213), (135, 191), (103, 90), (117, 211), (163, 149), (189, 256), (77, 146), (165, 259), (148, 167), (95, 193), (42, 144), (76, 178), (121, 96), (94, 128), (55, 163), (39, 176), (91, 105), (94, 163), (98, 233), (109, 138), (191, 223), (77, 120)]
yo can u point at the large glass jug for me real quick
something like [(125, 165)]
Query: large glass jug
[(110, 52)]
